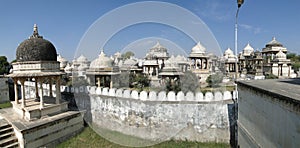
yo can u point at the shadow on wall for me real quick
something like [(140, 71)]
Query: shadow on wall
[(11, 90), (232, 124), (80, 102), (295, 81)]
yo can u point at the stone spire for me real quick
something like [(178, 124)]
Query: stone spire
[(35, 32)]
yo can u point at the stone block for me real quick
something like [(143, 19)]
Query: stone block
[(152, 95), (199, 96), (105, 91), (171, 96), (227, 95), (119, 92), (67, 89), (162, 96), (87, 89), (189, 96), (234, 94), (180, 96), (208, 96), (112, 92), (93, 90), (81, 89), (62, 88), (98, 91), (135, 94), (76, 90), (218, 96), (143, 95), (127, 93)]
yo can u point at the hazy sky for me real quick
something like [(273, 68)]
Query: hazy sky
[(65, 23)]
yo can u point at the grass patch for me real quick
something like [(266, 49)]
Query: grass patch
[(220, 88), (5, 105), (89, 139)]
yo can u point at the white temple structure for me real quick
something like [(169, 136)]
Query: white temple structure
[(281, 66), (102, 71), (63, 62), (200, 64), (36, 60), (41, 118), (230, 62)]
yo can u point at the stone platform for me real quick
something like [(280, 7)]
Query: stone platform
[(32, 111), (47, 131)]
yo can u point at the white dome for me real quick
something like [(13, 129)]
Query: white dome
[(228, 51), (280, 55), (82, 59), (180, 58), (158, 47), (102, 61), (198, 48), (171, 62), (117, 55), (274, 42), (248, 50), (130, 62)]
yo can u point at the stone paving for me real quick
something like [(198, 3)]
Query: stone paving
[(288, 88)]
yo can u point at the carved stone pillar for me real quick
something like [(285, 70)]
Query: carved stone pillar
[(99, 81), (58, 94), (16, 90), (36, 89), (23, 93), (42, 94), (50, 87), (111, 83)]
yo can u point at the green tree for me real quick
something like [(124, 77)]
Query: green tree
[(139, 81), (214, 80), (173, 85), (127, 55), (296, 66), (295, 60), (271, 76), (291, 55), (189, 82), (4, 65)]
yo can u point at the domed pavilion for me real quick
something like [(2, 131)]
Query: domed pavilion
[(199, 62), (36, 60), (270, 60), (102, 71), (281, 66), (230, 60)]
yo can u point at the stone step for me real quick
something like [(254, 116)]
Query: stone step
[(5, 130), (12, 145), (4, 125), (6, 135), (8, 141)]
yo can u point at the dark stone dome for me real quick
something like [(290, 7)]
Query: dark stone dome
[(36, 49)]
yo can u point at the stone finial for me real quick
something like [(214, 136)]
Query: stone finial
[(35, 29), (35, 32)]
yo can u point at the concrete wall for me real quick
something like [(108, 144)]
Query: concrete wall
[(267, 120), (156, 116), (157, 120)]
